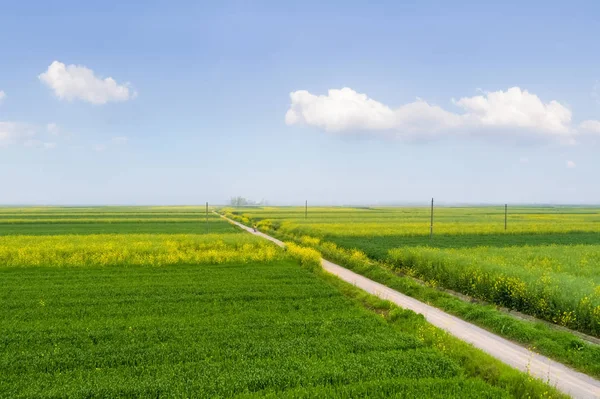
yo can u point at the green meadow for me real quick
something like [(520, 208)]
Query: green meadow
[(545, 263), (91, 308)]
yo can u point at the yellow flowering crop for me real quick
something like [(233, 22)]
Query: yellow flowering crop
[(133, 249)]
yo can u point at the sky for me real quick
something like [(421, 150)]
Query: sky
[(337, 102)]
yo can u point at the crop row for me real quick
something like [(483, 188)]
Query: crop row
[(362, 228), (407, 222), (133, 249), (110, 219), (560, 284)]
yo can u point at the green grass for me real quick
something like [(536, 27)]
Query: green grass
[(557, 283), (110, 220), (116, 228), (565, 278), (210, 331), (378, 247), (111, 315), (474, 256)]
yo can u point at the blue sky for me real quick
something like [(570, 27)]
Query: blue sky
[(200, 106)]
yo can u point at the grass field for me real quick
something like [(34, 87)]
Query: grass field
[(138, 313), (109, 220), (546, 264)]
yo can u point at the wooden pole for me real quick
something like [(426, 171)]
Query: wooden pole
[(207, 217), (431, 226), (505, 216), (306, 209)]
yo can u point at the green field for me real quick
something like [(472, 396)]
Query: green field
[(169, 313), (545, 264), (109, 220)]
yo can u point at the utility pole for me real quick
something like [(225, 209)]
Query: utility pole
[(505, 216), (431, 226), (306, 209), (207, 217)]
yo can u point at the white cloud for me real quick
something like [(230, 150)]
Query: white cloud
[(571, 164), (524, 160), (590, 126), (345, 109), (2, 96), (71, 82), (99, 147), (516, 108), (514, 111), (120, 140), (340, 110)]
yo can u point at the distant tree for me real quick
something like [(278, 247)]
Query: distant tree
[(238, 201), (241, 201)]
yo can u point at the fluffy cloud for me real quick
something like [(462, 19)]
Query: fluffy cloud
[(571, 165), (340, 110), (71, 82), (345, 109), (2, 96), (516, 108), (514, 111)]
